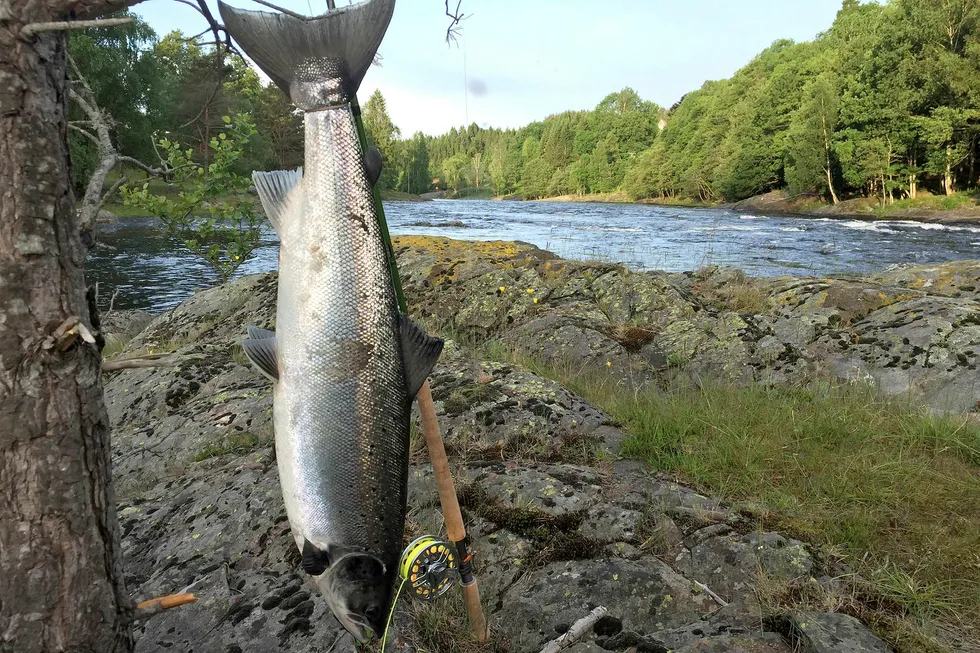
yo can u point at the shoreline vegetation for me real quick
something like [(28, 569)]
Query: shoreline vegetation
[(954, 209)]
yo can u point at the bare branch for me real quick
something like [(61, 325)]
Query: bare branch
[(156, 172), (191, 39), (85, 133), (216, 28), (109, 193), (33, 28), (456, 17)]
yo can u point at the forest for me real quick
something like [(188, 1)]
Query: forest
[(883, 104)]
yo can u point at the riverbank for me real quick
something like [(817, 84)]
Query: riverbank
[(618, 439), (961, 208), (119, 210)]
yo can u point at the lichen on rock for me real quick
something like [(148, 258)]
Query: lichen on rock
[(558, 523)]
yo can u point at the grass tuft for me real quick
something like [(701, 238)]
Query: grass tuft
[(882, 485), (234, 443)]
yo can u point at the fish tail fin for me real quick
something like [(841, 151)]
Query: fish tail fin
[(319, 61)]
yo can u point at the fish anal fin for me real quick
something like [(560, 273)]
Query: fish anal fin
[(277, 190), (262, 352), (420, 353), (373, 164)]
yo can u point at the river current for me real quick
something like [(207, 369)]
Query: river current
[(152, 272)]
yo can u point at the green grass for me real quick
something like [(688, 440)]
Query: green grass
[(879, 484), (964, 199), (237, 443)]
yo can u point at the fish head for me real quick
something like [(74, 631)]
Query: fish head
[(358, 591)]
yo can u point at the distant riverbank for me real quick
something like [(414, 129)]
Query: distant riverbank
[(937, 209)]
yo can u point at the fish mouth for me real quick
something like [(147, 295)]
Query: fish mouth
[(361, 631)]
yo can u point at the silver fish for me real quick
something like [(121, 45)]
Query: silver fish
[(346, 364)]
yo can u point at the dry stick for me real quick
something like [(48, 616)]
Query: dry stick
[(576, 632), (451, 513), (136, 363), (720, 601), (33, 28)]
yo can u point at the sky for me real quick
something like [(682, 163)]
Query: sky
[(517, 61)]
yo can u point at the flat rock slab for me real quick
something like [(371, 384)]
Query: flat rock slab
[(646, 595), (832, 632)]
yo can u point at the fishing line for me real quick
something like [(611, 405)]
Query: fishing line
[(391, 614)]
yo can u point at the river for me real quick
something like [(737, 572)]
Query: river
[(154, 273)]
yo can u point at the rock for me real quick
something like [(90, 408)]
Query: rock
[(106, 217), (645, 594), (557, 523), (910, 332), (730, 565), (608, 626), (124, 325), (830, 632), (748, 643)]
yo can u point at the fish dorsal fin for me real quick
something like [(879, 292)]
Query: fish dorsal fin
[(257, 333), (276, 189), (373, 164), (420, 352), (262, 352), (315, 561)]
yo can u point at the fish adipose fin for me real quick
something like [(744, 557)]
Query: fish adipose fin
[(275, 190), (262, 352), (420, 352), (320, 61)]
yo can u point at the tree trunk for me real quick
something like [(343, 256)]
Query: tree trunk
[(913, 179), (948, 177), (62, 587), (827, 151)]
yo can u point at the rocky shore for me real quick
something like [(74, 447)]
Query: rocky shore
[(559, 522)]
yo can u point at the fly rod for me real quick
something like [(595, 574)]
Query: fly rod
[(452, 515)]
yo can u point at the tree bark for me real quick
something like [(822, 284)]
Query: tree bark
[(827, 151), (62, 587)]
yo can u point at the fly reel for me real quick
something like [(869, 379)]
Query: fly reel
[(429, 566)]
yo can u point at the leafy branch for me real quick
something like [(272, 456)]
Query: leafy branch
[(212, 213)]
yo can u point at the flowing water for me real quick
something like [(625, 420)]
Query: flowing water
[(152, 272)]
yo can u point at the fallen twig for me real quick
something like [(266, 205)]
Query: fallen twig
[(709, 516), (136, 363), (147, 609), (576, 632), (720, 601)]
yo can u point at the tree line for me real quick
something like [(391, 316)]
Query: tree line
[(883, 104)]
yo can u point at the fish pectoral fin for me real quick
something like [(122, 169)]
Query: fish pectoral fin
[(315, 561), (420, 352), (277, 189), (262, 352), (373, 164), (257, 333)]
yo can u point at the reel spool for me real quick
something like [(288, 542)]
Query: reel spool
[(429, 566)]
